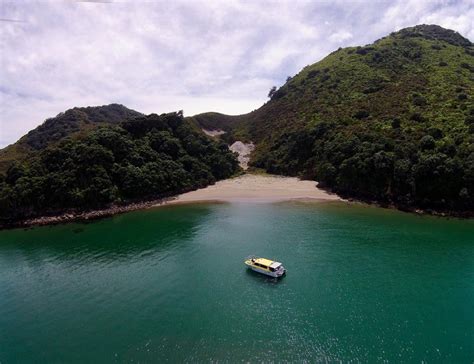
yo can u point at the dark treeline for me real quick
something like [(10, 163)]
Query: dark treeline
[(141, 158), (408, 170)]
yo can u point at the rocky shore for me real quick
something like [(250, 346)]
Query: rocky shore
[(75, 215)]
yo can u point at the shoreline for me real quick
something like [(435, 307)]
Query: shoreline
[(247, 188), (81, 216), (255, 188)]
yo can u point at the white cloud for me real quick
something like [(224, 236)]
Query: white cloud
[(164, 56), (340, 36)]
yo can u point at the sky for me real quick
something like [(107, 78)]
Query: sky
[(195, 56)]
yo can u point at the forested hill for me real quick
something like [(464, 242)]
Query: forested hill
[(392, 121), (141, 158), (73, 122)]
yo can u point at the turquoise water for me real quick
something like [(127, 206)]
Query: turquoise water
[(363, 285)]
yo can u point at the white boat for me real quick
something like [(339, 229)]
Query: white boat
[(265, 266)]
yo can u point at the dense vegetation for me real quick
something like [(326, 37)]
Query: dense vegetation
[(74, 122), (392, 121), (144, 157)]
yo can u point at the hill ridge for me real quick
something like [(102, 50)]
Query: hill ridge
[(433, 32), (72, 122), (391, 122)]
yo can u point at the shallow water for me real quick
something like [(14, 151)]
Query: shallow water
[(363, 285)]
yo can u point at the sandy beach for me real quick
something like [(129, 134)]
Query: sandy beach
[(257, 188)]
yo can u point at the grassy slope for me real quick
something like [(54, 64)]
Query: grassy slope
[(214, 120), (383, 82), (217, 121), (382, 79)]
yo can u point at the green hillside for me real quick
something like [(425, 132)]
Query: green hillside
[(392, 121), (214, 120), (141, 158), (74, 122)]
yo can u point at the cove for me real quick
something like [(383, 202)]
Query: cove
[(364, 284)]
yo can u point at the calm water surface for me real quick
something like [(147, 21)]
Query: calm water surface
[(363, 285)]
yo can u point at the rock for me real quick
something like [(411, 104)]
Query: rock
[(243, 150)]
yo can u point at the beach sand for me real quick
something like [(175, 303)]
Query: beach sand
[(258, 189)]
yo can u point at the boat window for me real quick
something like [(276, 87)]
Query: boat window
[(272, 269)]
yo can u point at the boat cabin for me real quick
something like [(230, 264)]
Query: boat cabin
[(266, 264)]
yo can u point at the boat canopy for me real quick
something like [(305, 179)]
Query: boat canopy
[(264, 262), (275, 265)]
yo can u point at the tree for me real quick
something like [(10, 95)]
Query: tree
[(427, 142), (272, 92)]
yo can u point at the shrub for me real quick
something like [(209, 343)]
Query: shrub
[(272, 92), (373, 89), (417, 117), (427, 142), (466, 65), (469, 120), (418, 100), (435, 133), (361, 114)]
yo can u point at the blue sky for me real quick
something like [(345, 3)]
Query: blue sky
[(192, 55)]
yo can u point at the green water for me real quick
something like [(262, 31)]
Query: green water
[(363, 285)]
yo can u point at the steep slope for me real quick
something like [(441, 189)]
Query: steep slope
[(69, 123), (392, 121), (396, 77), (227, 123), (214, 120), (147, 157)]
